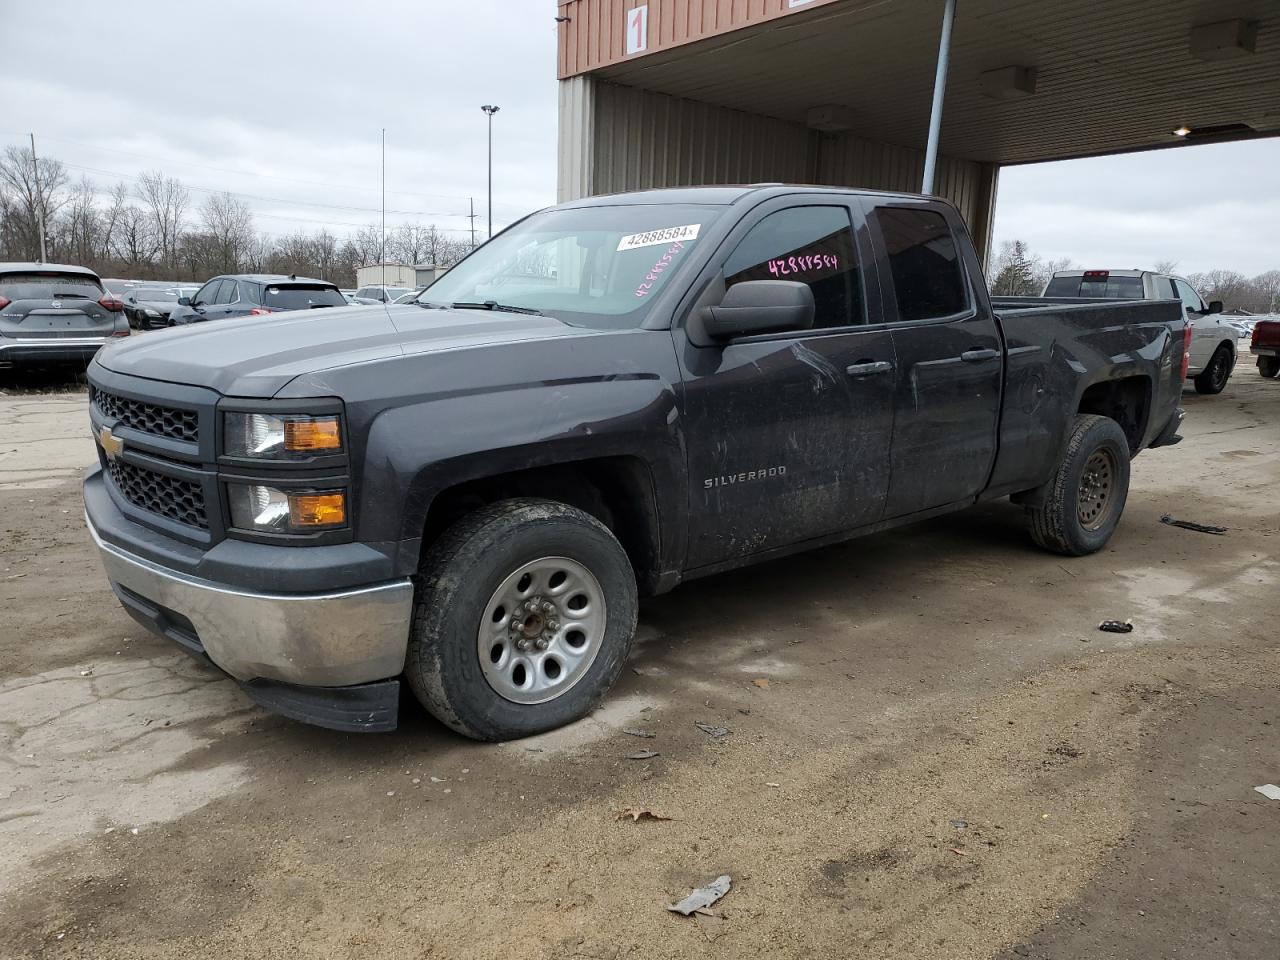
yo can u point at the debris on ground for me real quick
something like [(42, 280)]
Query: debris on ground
[(762, 683), (1197, 527), (1116, 626), (1269, 790), (637, 732), (639, 813), (711, 730), (959, 852), (703, 897), (960, 824), (643, 755), (711, 924)]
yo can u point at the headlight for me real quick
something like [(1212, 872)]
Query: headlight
[(263, 436), (151, 313), (270, 510)]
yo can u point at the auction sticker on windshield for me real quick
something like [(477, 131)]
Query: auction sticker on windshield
[(654, 238)]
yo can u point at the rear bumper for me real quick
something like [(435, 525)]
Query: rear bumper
[(50, 349), (1265, 351)]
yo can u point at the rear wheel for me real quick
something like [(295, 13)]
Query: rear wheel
[(1213, 378), (524, 619), (1269, 366), (1087, 493)]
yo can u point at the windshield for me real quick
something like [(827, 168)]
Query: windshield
[(1095, 286), (302, 297), (589, 266), (157, 296)]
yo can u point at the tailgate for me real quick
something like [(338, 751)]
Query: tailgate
[(1266, 333), (51, 305)]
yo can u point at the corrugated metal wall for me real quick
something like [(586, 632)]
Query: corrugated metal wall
[(593, 32), (615, 138)]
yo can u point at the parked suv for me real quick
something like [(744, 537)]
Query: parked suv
[(51, 312), (1213, 339), (244, 295)]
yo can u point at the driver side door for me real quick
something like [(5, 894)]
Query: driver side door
[(788, 433)]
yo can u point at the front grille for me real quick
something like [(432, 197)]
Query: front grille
[(149, 417), (170, 497)]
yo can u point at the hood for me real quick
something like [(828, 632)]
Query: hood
[(257, 356)]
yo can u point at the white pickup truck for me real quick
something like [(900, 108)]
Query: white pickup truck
[(1213, 340)]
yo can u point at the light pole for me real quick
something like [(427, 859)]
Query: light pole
[(490, 110)]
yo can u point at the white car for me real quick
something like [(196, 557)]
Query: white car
[(1213, 339)]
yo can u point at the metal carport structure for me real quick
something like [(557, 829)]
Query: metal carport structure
[(673, 92)]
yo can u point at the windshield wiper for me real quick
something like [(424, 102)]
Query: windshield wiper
[(494, 305)]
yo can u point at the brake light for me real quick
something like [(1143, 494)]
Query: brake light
[(120, 333), (1097, 274), (1186, 349), (260, 312), (1253, 340), (111, 303), (4, 302)]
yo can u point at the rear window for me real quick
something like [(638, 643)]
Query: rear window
[(47, 286), (1124, 287), (301, 296), (928, 277)]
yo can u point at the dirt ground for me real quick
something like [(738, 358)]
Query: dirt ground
[(933, 753)]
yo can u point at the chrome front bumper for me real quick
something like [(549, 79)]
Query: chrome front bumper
[(333, 639)]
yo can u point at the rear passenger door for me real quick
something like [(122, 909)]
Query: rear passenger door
[(788, 433), (950, 365)]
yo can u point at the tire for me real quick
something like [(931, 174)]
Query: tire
[(467, 582), (1213, 378), (1269, 366), (1087, 493)]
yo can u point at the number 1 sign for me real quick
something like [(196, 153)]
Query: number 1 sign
[(638, 29)]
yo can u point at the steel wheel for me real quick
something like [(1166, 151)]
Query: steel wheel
[(1096, 484), (1221, 368), (542, 630)]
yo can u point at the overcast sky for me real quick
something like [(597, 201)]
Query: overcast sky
[(282, 101)]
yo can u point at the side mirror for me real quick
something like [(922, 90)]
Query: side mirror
[(1215, 306), (760, 306), (184, 301)]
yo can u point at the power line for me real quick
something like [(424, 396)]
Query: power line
[(169, 162)]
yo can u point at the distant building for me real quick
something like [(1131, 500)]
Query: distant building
[(398, 274)]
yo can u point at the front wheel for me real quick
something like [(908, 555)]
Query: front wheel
[(1087, 493), (523, 621), (1269, 366), (1213, 378)]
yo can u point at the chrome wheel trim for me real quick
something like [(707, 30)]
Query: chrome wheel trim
[(1097, 489), (541, 630)]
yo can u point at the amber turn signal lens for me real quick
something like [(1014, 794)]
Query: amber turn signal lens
[(303, 436), (317, 510)]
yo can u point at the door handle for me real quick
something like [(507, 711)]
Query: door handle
[(868, 368), (977, 356)]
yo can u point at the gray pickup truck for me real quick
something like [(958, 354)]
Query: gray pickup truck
[(471, 491)]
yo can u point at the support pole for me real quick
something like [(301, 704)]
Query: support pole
[(382, 240), (939, 93)]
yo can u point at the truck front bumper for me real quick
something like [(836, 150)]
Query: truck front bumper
[(325, 658)]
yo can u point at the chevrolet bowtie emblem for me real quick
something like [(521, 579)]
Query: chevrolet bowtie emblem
[(111, 444)]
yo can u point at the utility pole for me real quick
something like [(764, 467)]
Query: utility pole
[(35, 170), (382, 243), (490, 110), (472, 218)]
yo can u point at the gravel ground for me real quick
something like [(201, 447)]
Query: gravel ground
[(934, 753)]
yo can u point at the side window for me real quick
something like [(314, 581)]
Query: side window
[(811, 245), (206, 293), (1166, 289), (928, 274), (226, 292), (1190, 299), (249, 292)]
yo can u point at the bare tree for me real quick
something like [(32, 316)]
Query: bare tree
[(229, 224), (32, 190), (1166, 266), (165, 200), (134, 245), (83, 223)]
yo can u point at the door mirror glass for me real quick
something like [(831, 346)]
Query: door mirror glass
[(184, 301), (1215, 306), (760, 306)]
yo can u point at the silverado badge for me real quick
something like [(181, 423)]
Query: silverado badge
[(111, 444)]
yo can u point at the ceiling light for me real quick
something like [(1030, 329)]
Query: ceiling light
[(1182, 131)]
